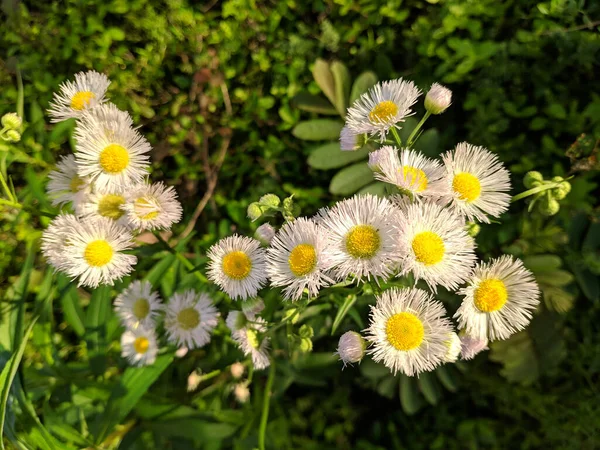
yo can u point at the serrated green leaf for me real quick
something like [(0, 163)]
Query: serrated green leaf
[(350, 179), (342, 311), (542, 263), (313, 103), (318, 130), (362, 84), (341, 78), (324, 78), (330, 156), (410, 398), (429, 388)]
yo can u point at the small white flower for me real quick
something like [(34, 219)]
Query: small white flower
[(253, 343), (265, 233), (238, 266), (349, 140), (382, 107), (65, 185), (438, 99), (435, 246), (476, 182), (138, 306), (190, 319), (499, 299), (74, 98), (139, 346), (93, 252), (55, 237), (108, 203), (152, 207), (471, 346), (453, 345), (412, 173), (351, 347), (408, 331), (298, 259), (364, 238), (241, 392), (237, 369), (386, 155), (110, 151)]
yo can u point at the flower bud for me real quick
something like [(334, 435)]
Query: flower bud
[(473, 229), (557, 179), (265, 233), (349, 140), (306, 331), (306, 345), (269, 200), (471, 346), (241, 392), (254, 211), (351, 347), (237, 370), (530, 177), (562, 190), (438, 99), (548, 206), (13, 135), (11, 121), (454, 346), (181, 352), (193, 381), (290, 210)]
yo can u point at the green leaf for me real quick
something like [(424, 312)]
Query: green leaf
[(96, 317), (372, 370), (69, 300), (159, 269), (542, 263), (555, 278), (330, 156), (378, 188), (446, 377), (428, 143), (429, 388), (588, 282), (134, 383), (315, 360), (410, 398), (362, 84), (324, 78), (341, 77), (557, 299), (313, 103), (342, 311), (347, 181), (318, 130)]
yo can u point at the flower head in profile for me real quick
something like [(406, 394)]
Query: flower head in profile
[(499, 299), (65, 185), (76, 97), (349, 140), (138, 306), (471, 346), (438, 99), (107, 203), (190, 319), (139, 346), (152, 207), (252, 340), (56, 237), (453, 345)]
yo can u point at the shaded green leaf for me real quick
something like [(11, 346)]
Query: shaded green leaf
[(410, 398), (330, 156), (378, 188), (342, 311), (313, 103), (350, 179), (324, 78), (447, 378), (362, 84), (542, 263), (341, 77), (429, 387), (318, 130)]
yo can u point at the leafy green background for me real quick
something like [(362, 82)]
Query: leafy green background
[(203, 77)]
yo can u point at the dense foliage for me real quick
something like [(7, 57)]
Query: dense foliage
[(216, 87)]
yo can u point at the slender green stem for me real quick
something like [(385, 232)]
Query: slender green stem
[(409, 142), (7, 191), (535, 190), (265, 407), (396, 137)]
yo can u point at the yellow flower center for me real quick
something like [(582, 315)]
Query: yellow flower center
[(467, 186), (98, 253), (302, 260), (141, 308), (490, 295), (363, 241), (383, 112), (252, 338), (237, 265), (188, 318), (76, 184), (141, 345), (404, 331), (82, 99), (114, 158), (142, 205), (110, 206), (428, 247), (416, 178)]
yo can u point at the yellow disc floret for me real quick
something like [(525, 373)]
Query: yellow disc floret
[(429, 248), (467, 186), (110, 206), (114, 158), (141, 345), (145, 209), (490, 295), (302, 260), (76, 184), (237, 265), (98, 253), (363, 241), (404, 331), (188, 318), (141, 308), (416, 178), (82, 99), (252, 338), (383, 112)]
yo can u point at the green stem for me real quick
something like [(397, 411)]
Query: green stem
[(397, 137), (535, 190), (7, 191), (265, 407), (409, 142)]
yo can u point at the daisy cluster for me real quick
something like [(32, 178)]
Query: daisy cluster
[(103, 188), (420, 232)]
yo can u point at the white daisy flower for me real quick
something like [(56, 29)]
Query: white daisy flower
[(93, 252), (412, 173), (152, 207), (253, 343), (108, 114), (138, 306), (349, 140), (65, 185), (476, 182), (453, 347), (351, 347), (139, 346), (408, 331), (386, 155), (56, 236), (110, 151), (190, 318), (382, 107), (74, 98), (238, 266), (363, 235), (298, 259), (108, 203), (435, 246), (499, 299), (471, 347)]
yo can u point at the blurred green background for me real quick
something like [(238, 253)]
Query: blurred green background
[(215, 79)]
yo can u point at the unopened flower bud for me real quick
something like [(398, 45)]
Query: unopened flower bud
[(265, 233), (236, 320), (193, 381), (438, 99), (351, 347), (454, 346), (531, 177), (471, 346), (181, 352), (237, 370), (562, 190), (254, 211), (306, 331), (548, 206), (306, 345), (349, 140), (13, 135), (11, 121), (269, 200), (241, 392), (557, 179), (473, 229)]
